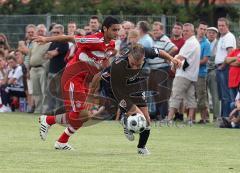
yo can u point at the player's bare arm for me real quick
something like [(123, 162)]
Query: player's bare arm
[(59, 38)]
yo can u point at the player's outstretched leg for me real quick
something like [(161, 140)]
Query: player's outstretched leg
[(143, 138), (46, 121), (44, 125)]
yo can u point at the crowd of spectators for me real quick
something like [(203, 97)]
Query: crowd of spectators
[(207, 82)]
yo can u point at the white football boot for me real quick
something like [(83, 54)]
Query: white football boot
[(44, 127), (62, 146), (143, 151)]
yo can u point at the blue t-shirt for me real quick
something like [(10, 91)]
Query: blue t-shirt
[(205, 52), (146, 41)]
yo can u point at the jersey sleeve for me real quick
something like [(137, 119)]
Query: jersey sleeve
[(87, 41)]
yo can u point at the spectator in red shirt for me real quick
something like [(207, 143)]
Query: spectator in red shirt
[(177, 38), (233, 59)]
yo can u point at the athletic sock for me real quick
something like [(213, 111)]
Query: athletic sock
[(51, 120), (66, 134), (143, 138)]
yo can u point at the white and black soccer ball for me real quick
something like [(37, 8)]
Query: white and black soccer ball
[(136, 123)]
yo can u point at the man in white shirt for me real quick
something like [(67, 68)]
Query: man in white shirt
[(186, 77), (226, 44)]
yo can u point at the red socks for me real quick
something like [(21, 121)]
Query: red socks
[(66, 134)]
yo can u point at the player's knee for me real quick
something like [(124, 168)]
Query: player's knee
[(76, 119)]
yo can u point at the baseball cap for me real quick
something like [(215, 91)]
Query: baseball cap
[(213, 29)]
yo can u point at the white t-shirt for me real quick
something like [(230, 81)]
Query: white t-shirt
[(224, 42), (191, 52), (16, 73)]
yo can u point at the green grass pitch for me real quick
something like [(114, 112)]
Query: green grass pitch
[(102, 148)]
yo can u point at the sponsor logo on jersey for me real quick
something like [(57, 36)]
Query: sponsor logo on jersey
[(123, 103)]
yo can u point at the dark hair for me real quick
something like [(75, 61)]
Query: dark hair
[(51, 26), (109, 21), (94, 17), (202, 23), (178, 24), (72, 22)]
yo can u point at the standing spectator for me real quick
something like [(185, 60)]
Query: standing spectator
[(71, 27), (145, 40), (133, 36), (211, 76), (161, 40), (226, 44), (158, 64), (56, 54), (122, 40), (38, 71), (127, 26), (177, 38), (24, 47), (94, 24), (233, 59), (20, 60), (50, 28), (201, 87), (186, 77)]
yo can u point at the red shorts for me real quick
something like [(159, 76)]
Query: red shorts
[(75, 84)]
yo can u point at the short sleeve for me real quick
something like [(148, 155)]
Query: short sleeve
[(207, 50), (230, 41), (187, 49)]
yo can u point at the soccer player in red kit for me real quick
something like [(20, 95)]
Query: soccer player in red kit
[(90, 57)]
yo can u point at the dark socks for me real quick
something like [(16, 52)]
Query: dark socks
[(143, 138)]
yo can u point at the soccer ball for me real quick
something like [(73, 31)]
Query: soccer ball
[(136, 123)]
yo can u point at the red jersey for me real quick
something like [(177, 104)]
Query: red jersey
[(90, 52), (179, 43), (91, 48), (234, 72)]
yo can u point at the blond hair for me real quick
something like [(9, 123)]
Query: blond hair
[(137, 51)]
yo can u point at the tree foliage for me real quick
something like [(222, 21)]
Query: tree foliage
[(202, 10)]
